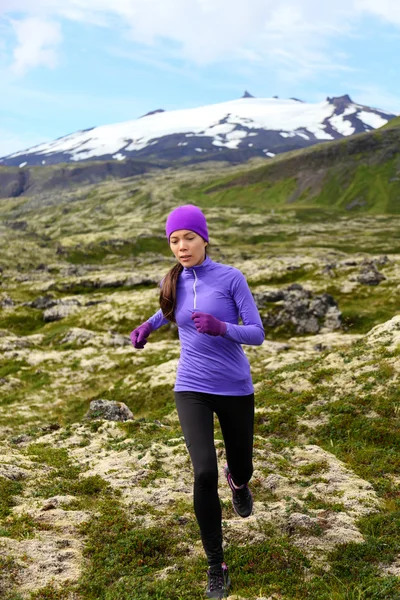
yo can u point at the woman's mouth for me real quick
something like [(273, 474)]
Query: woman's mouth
[(185, 258)]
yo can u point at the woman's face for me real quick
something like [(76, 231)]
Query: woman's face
[(188, 247)]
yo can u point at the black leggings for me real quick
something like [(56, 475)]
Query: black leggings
[(236, 417)]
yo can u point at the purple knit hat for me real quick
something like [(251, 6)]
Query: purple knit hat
[(187, 217)]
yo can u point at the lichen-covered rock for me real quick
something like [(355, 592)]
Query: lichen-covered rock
[(370, 275), (43, 302), (109, 410), (78, 336), (6, 302), (60, 311), (308, 313)]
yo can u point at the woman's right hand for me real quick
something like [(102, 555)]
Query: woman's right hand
[(140, 334)]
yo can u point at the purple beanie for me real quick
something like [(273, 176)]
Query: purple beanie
[(187, 217)]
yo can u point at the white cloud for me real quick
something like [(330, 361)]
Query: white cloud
[(375, 96), (388, 10), (37, 42), (297, 36)]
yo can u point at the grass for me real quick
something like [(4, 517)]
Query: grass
[(22, 527), (112, 252), (8, 490), (63, 475)]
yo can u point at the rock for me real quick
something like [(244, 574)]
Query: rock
[(263, 298), (333, 318), (356, 203), (117, 340), (21, 439), (78, 336), (109, 410), (320, 347), (17, 225), (109, 281), (13, 473), (50, 427), (6, 302), (329, 270), (60, 311), (308, 313), (350, 263), (370, 275), (382, 260), (43, 302)]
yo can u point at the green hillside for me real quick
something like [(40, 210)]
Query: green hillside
[(392, 124), (356, 175)]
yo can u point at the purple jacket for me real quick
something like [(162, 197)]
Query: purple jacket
[(214, 364)]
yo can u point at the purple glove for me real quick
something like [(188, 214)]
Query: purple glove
[(206, 323), (140, 334)]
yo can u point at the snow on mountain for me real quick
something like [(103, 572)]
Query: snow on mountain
[(249, 126)]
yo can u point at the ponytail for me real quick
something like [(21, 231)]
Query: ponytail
[(168, 292)]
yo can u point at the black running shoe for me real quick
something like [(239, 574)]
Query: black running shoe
[(242, 499), (218, 582)]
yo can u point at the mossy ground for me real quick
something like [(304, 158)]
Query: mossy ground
[(344, 400)]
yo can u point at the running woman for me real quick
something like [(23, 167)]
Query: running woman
[(205, 299)]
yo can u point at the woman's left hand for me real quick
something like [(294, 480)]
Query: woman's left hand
[(206, 323)]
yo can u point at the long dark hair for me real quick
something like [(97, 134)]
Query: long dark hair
[(168, 292)]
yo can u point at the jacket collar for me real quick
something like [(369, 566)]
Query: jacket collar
[(206, 264)]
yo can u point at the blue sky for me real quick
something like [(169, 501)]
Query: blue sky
[(75, 64)]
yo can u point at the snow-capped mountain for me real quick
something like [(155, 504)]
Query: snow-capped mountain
[(235, 130)]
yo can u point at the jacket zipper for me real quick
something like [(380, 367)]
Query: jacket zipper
[(194, 290)]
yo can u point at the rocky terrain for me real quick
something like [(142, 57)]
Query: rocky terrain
[(96, 499)]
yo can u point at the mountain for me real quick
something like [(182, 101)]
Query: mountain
[(232, 131)]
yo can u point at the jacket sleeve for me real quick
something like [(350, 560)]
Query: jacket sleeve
[(252, 330), (157, 320)]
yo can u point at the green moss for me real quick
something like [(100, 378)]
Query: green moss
[(21, 527), (8, 489), (12, 367), (50, 592), (64, 474), (320, 466), (22, 320), (93, 485), (321, 375), (110, 252), (313, 503)]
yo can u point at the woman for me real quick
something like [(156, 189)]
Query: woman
[(205, 299)]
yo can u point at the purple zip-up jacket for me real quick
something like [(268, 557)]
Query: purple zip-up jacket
[(214, 364)]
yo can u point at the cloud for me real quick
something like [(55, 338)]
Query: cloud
[(37, 42), (388, 10), (373, 95), (296, 36)]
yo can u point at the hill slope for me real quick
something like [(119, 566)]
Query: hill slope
[(360, 173)]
